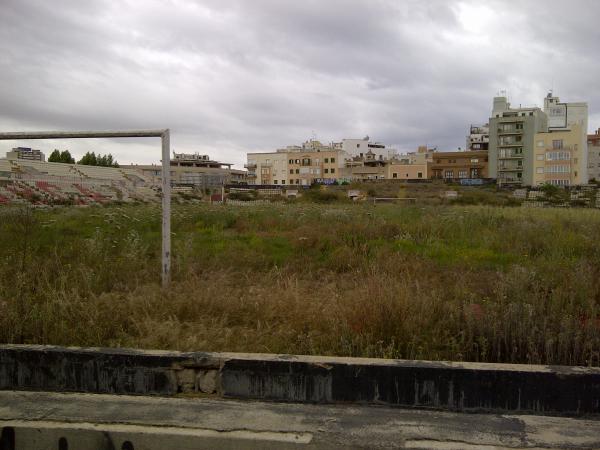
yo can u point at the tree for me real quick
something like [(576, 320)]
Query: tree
[(91, 159), (65, 157), (54, 156), (61, 157)]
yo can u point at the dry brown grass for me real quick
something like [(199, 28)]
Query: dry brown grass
[(452, 283)]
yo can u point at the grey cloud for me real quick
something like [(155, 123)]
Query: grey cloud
[(230, 76)]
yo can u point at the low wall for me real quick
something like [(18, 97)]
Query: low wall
[(498, 388)]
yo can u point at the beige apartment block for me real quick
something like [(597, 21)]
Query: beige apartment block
[(559, 157), (267, 168), (303, 165)]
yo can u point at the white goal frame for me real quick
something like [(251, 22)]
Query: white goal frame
[(164, 134)]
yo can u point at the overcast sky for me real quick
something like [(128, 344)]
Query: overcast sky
[(231, 76)]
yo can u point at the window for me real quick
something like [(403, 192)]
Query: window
[(518, 138), (282, 181), (558, 169), (326, 170), (291, 170), (306, 161), (326, 160), (291, 181), (462, 173), (474, 160), (357, 145), (539, 157), (420, 175), (297, 181), (332, 160), (540, 143), (297, 170), (558, 156), (539, 170), (518, 151), (267, 161), (297, 161), (274, 181), (519, 126), (291, 161), (332, 170), (557, 144), (394, 175), (520, 163), (449, 174)]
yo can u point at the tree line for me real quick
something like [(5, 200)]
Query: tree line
[(89, 159)]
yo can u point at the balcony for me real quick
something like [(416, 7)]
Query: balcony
[(509, 132), (250, 166), (510, 144), (251, 174), (510, 169)]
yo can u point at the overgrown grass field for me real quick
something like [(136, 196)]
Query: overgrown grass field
[(475, 283)]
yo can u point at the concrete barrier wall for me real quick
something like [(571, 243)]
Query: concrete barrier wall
[(556, 390)]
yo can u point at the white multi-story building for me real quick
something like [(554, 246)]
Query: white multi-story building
[(479, 137), (360, 147)]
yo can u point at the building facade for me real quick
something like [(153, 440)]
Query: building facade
[(459, 165), (571, 117), (593, 142), (360, 147), (559, 156), (511, 142), (479, 137), (310, 163), (520, 137), (195, 170), (397, 170), (30, 154)]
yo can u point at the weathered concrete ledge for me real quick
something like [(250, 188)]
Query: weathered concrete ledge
[(469, 387)]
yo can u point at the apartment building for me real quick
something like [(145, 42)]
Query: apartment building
[(511, 142), (459, 165), (312, 162), (593, 142), (571, 118), (515, 134), (30, 154), (479, 137), (266, 168), (558, 157), (360, 147)]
